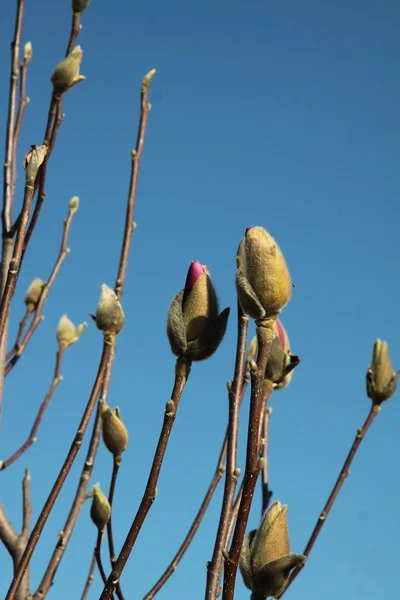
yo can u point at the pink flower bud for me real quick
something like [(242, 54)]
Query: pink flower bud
[(194, 272)]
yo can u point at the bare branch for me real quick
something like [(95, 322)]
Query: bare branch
[(110, 536), (8, 535), (89, 579), (265, 491), (26, 506)]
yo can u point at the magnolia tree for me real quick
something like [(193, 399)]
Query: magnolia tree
[(195, 329)]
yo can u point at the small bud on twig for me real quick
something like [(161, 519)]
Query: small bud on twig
[(32, 161), (115, 434), (74, 204), (66, 73), (33, 294), (381, 379), (67, 333), (110, 316), (100, 511), (28, 51)]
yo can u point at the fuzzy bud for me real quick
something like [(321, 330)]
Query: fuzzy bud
[(66, 73), (33, 294), (74, 204), (28, 51), (67, 334), (194, 326), (381, 379), (78, 6), (32, 161), (115, 434), (266, 560), (263, 282), (100, 511), (110, 316)]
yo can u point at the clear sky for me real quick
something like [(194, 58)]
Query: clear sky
[(281, 114)]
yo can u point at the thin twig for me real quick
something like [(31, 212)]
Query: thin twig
[(265, 335), (36, 424), (181, 376), (21, 344), (66, 467), (266, 493), (374, 410), (22, 104), (20, 334), (97, 553), (110, 536), (235, 392), (89, 579)]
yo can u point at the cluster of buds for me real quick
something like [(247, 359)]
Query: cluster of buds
[(381, 379), (67, 333), (110, 316), (263, 282), (66, 74), (115, 433), (100, 510), (195, 327), (33, 294), (265, 559)]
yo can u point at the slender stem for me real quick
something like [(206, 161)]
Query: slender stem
[(265, 335), (374, 410), (66, 467), (89, 579), (110, 536), (22, 104), (235, 392), (20, 334), (266, 493), (97, 553), (181, 376), (36, 424)]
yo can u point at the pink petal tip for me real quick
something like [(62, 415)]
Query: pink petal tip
[(196, 269), (281, 333)]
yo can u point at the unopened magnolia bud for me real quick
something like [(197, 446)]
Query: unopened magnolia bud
[(78, 6), (67, 333), (100, 511), (33, 294), (110, 316), (32, 161), (266, 560), (263, 282), (281, 363), (28, 51), (381, 379), (74, 204), (115, 434), (194, 327), (66, 73)]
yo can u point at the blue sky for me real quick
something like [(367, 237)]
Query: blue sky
[(282, 114)]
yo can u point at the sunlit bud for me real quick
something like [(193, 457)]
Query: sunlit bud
[(67, 333), (263, 282), (74, 204), (194, 326), (28, 51), (66, 73), (110, 316), (33, 294), (381, 379), (115, 434), (100, 511), (32, 161)]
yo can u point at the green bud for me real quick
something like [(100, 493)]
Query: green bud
[(100, 511), (74, 204), (33, 294), (28, 51), (67, 333), (381, 379), (115, 434), (110, 316), (66, 73)]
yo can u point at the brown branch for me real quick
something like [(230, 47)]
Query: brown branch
[(89, 579), (36, 424), (66, 467), (26, 505), (336, 488), (265, 491), (22, 104), (20, 334), (265, 335), (8, 535), (111, 547), (181, 376), (97, 553), (21, 344), (235, 393)]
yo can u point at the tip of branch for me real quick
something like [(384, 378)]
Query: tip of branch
[(27, 475), (147, 79)]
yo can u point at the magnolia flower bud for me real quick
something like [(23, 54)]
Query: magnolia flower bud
[(66, 73), (33, 294), (28, 51), (32, 161), (194, 326), (67, 333), (381, 379), (100, 511), (78, 6), (115, 434), (265, 559), (110, 316), (74, 204), (263, 282)]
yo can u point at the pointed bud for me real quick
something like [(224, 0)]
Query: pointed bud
[(110, 316), (263, 282), (67, 333), (74, 204), (32, 161), (33, 294), (66, 73), (194, 327), (266, 561), (28, 51), (381, 379), (78, 6), (115, 434), (100, 511)]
